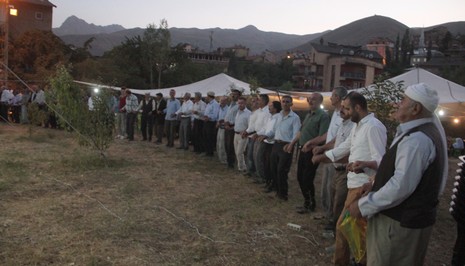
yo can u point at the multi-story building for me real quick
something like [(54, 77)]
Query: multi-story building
[(327, 66), (384, 47), (31, 14)]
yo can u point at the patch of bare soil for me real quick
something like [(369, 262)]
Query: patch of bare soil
[(152, 205)]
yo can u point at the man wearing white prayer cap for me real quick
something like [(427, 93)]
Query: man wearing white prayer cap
[(402, 200)]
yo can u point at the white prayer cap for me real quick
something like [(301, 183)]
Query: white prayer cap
[(423, 94)]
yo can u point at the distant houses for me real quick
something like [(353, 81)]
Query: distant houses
[(327, 66), (31, 14)]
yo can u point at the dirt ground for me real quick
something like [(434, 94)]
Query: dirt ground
[(152, 205)]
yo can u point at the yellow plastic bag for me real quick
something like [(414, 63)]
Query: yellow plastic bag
[(354, 230)]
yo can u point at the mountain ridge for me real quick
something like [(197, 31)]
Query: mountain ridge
[(358, 32)]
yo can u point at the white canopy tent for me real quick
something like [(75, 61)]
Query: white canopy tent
[(220, 84), (451, 95)]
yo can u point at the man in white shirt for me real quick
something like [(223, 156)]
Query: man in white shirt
[(6, 97), (220, 147), (247, 134), (365, 147), (263, 116), (266, 145), (240, 125), (229, 133), (402, 204), (197, 113), (184, 113), (131, 108)]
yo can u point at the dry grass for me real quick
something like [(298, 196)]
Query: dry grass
[(150, 205)]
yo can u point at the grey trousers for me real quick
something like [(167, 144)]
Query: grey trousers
[(327, 196), (390, 244), (184, 132)]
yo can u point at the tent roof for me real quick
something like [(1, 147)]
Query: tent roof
[(220, 84), (448, 91)]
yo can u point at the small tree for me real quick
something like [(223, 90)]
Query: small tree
[(382, 97), (93, 128), (254, 86)]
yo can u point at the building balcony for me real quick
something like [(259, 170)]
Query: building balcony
[(353, 75)]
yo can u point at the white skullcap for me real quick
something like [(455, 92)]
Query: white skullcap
[(423, 94)]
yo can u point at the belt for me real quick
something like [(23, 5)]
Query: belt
[(340, 168), (281, 142), (237, 132)]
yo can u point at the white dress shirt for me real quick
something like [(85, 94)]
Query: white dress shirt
[(263, 116), (242, 120), (336, 121), (7, 95), (200, 108), (268, 128), (367, 142), (414, 154), (186, 109), (38, 97), (252, 119)]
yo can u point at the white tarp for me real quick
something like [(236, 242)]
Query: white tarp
[(449, 92), (221, 84)]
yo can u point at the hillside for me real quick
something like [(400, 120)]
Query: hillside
[(256, 40), (76, 31), (361, 32), (76, 26)]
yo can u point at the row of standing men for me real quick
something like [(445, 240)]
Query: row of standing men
[(395, 190)]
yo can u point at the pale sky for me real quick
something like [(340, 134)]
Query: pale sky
[(286, 16)]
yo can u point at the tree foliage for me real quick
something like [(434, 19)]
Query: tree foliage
[(35, 54), (92, 128), (157, 50), (382, 98)]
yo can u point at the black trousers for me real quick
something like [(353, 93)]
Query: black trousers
[(4, 112), (159, 123), (306, 171), (458, 257), (229, 146), (197, 136), (280, 165), (267, 165), (146, 126), (130, 122), (209, 134)]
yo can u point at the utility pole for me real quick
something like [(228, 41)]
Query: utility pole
[(5, 32)]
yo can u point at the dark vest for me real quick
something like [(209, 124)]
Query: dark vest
[(147, 107), (419, 209)]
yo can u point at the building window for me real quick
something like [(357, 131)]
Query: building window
[(39, 15)]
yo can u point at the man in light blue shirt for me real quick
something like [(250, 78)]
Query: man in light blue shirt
[(172, 105), (285, 130), (210, 117)]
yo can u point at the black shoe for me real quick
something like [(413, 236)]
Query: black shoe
[(303, 210), (179, 148), (330, 227)]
